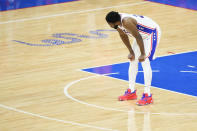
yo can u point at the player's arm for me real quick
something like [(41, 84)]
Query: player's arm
[(130, 25), (125, 40)]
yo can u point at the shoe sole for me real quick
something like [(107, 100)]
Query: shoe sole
[(144, 104), (127, 99)]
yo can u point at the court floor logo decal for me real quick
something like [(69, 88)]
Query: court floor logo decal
[(68, 38)]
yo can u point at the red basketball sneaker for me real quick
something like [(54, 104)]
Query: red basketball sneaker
[(145, 100), (128, 95)]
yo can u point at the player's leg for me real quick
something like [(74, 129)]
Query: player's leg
[(153, 41), (150, 48), (130, 93), (147, 96), (133, 69), (147, 76)]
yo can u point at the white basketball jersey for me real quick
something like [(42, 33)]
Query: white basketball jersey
[(145, 25)]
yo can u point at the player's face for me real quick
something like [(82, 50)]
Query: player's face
[(113, 25)]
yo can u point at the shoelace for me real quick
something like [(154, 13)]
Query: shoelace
[(126, 92), (143, 97)]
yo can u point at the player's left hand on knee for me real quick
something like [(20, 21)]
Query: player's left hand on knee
[(142, 58)]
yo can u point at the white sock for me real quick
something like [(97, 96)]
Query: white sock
[(133, 69), (147, 76)]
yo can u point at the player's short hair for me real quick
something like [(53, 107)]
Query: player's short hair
[(112, 17)]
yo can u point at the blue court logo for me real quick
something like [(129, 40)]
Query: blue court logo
[(68, 38)]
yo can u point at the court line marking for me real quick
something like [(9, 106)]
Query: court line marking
[(54, 119), (191, 66), (113, 109), (76, 81), (189, 71), (74, 12), (152, 71)]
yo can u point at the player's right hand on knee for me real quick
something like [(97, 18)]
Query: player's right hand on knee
[(142, 58), (131, 57)]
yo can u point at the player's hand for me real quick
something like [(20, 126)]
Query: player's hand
[(142, 58), (131, 57)]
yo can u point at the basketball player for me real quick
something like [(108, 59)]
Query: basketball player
[(147, 35)]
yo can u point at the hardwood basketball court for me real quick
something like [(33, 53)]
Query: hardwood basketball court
[(44, 48)]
